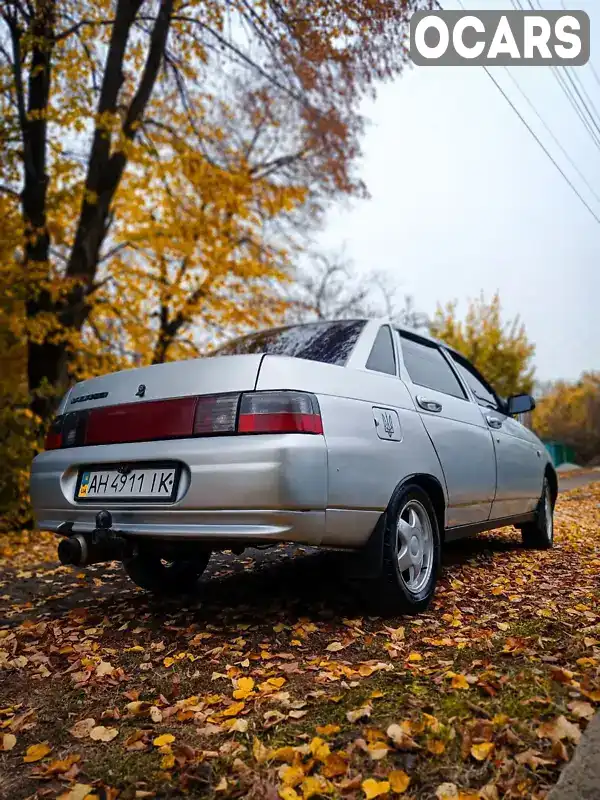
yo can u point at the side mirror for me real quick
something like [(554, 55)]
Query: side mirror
[(520, 404)]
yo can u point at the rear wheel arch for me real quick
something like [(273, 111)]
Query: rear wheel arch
[(552, 478), (435, 492)]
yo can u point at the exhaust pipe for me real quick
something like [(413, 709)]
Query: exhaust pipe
[(103, 544)]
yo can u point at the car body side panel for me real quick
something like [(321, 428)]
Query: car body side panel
[(363, 468), (521, 460)]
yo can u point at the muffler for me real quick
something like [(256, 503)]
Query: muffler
[(102, 544)]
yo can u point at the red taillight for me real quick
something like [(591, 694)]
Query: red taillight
[(53, 440), (142, 422), (279, 412), (184, 417)]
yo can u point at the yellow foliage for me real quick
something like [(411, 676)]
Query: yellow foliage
[(570, 414), (500, 350)]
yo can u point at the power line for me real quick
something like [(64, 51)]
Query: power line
[(569, 82), (554, 137), (531, 131)]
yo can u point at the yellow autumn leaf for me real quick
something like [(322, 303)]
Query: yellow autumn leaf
[(234, 709), (459, 682), (327, 730), (435, 746), (414, 657), (243, 687), (482, 751), (36, 752), (313, 785), (291, 776), (167, 761), (287, 793), (259, 751), (373, 788), (80, 791), (9, 740), (163, 739), (399, 781), (319, 749)]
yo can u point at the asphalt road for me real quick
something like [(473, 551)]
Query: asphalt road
[(567, 482)]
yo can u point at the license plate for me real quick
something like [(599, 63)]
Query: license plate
[(128, 483)]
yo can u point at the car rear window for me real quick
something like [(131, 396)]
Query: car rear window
[(328, 342)]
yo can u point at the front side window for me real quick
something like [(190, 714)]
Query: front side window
[(483, 393), (382, 357), (328, 342), (426, 366)]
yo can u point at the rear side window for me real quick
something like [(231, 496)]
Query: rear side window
[(328, 342), (427, 367), (483, 393), (382, 357)]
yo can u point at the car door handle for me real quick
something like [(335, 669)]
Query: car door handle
[(429, 405), (493, 422)]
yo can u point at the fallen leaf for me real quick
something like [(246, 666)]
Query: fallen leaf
[(399, 781), (334, 766), (447, 791), (291, 776), (531, 758), (435, 746), (287, 793), (243, 687), (327, 730), (313, 785), (559, 728), (581, 709), (9, 740), (167, 761), (359, 713), (459, 682), (36, 752), (104, 668), (259, 751), (102, 734), (163, 739), (373, 788), (334, 647), (78, 792), (482, 751), (234, 709), (81, 729), (401, 739)]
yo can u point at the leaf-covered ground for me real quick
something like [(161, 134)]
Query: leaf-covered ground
[(270, 683)]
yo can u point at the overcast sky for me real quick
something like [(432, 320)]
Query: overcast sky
[(463, 199)]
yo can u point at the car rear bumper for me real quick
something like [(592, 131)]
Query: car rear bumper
[(259, 488)]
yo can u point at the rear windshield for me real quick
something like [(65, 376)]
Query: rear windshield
[(329, 342)]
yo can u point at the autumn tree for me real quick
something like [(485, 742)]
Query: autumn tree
[(331, 286), (499, 349), (570, 413), (119, 169)]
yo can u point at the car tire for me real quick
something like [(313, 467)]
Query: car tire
[(411, 537), (539, 534), (179, 576)]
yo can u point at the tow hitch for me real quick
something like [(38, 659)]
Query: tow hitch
[(102, 544)]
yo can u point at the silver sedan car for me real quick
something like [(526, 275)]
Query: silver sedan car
[(355, 435)]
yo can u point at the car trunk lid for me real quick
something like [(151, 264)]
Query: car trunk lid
[(175, 379)]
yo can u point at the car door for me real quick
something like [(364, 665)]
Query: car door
[(520, 466), (456, 427)]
